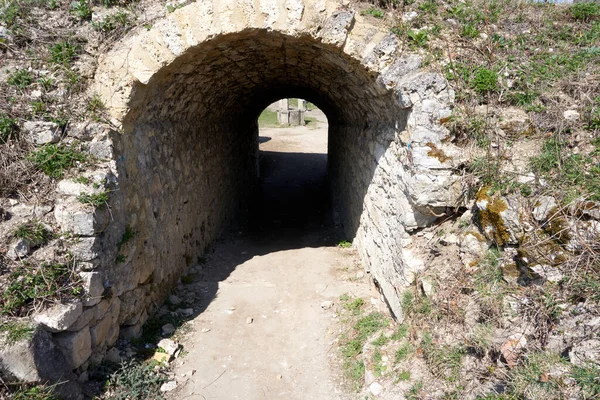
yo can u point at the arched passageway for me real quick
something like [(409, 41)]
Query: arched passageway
[(187, 95)]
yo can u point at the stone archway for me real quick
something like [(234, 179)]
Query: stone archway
[(186, 94)]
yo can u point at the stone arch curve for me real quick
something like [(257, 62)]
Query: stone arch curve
[(186, 94)]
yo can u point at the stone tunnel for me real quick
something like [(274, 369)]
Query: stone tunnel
[(185, 95)]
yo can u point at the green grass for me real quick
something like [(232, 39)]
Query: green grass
[(485, 81), (38, 392), (16, 331), (374, 12), (586, 11), (30, 285), (8, 128), (525, 382), (418, 38), (136, 380), (344, 244), (20, 78), (354, 306), (404, 375), (354, 371), (112, 22), (444, 361), (126, 238), (94, 199), (268, 118), (62, 53), (82, 9), (588, 379), (380, 341), (54, 160), (34, 232), (402, 353)]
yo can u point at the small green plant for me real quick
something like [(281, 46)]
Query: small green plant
[(136, 380), (415, 391), (81, 9), (126, 238), (33, 232), (344, 244), (171, 8), (380, 341), (84, 180), (485, 81), (38, 392), (112, 22), (20, 78), (54, 159), (400, 333), (38, 107), (378, 366), (469, 30), (429, 6), (62, 53), (525, 382), (355, 372), (8, 128), (94, 199), (29, 286), (355, 306), (16, 331), (404, 375), (586, 11), (46, 82), (120, 259), (374, 12), (11, 12), (402, 353), (418, 38), (588, 379)]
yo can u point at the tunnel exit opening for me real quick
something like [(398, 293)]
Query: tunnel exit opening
[(293, 192)]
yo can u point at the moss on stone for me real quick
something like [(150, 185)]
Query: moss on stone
[(477, 235), (437, 153), (490, 218), (557, 227)]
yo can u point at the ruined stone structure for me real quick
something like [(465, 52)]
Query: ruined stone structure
[(184, 98)]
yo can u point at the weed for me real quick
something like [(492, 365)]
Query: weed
[(12, 10), (469, 30), (62, 53), (8, 128), (33, 232), (46, 82), (38, 392), (84, 180), (418, 38), (112, 22), (94, 199), (415, 391), (485, 81), (81, 9), (136, 380), (29, 286), (54, 160), (127, 236), (369, 324), (402, 353), (355, 306), (588, 379), (585, 11), (355, 371), (404, 375), (20, 78), (16, 331), (526, 381), (400, 333), (38, 107), (171, 8), (120, 259), (380, 341), (444, 361), (374, 12), (344, 244), (378, 366)]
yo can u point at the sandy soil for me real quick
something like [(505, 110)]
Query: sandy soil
[(263, 333)]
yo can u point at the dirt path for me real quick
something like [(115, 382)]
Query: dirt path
[(263, 333)]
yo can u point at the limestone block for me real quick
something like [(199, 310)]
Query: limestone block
[(100, 331), (93, 287), (60, 317), (41, 132), (101, 148), (88, 316), (74, 217), (131, 304), (587, 351), (67, 187), (76, 346), (18, 249), (543, 206), (33, 360), (85, 248), (336, 27)]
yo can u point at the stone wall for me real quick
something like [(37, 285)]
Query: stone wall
[(181, 157)]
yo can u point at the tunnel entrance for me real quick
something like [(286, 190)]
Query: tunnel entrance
[(186, 96), (293, 198)]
